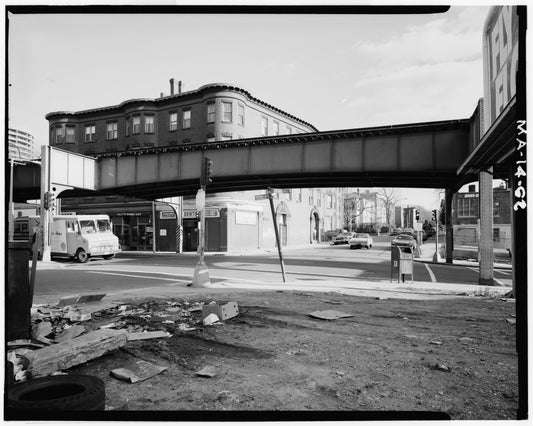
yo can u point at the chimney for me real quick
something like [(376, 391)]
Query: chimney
[(161, 94), (179, 87), (171, 86)]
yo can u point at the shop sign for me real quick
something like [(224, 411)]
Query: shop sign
[(501, 60), (471, 195), (212, 213), (129, 214), (189, 214), (167, 214)]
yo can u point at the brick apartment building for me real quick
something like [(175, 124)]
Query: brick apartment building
[(212, 113), (465, 216)]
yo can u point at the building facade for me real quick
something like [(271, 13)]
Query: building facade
[(465, 215), (212, 113), (364, 208), (22, 145)]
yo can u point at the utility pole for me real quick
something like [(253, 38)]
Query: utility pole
[(201, 273), (276, 231)]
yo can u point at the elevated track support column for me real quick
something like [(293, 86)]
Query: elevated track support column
[(45, 213), (486, 245), (448, 198)]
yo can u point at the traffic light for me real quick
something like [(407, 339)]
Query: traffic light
[(434, 215), (206, 172), (417, 215)]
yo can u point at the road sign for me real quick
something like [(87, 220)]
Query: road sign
[(417, 226), (200, 199), (265, 196)]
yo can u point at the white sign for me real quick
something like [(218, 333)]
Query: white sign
[(189, 214), (163, 232), (417, 226), (212, 213), (200, 199), (245, 218), (167, 215)]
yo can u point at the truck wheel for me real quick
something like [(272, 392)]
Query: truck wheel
[(82, 256), (108, 256), (63, 392)]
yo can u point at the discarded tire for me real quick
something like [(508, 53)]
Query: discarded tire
[(63, 393)]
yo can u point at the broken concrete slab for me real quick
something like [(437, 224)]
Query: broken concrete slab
[(210, 319), (70, 333), (138, 371), (61, 356), (223, 312), (329, 315), (147, 335), (208, 371), (41, 330), (80, 299)]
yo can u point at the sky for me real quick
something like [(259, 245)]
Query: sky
[(333, 71)]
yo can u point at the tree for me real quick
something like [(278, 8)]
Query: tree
[(354, 206), (389, 197)]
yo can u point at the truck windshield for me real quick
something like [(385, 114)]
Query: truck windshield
[(87, 227), (103, 225)]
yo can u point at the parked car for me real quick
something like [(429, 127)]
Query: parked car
[(361, 240), (404, 240), (342, 238)]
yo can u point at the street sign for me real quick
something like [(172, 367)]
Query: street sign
[(417, 226), (265, 196), (200, 199)]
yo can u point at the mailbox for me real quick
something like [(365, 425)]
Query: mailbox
[(401, 262)]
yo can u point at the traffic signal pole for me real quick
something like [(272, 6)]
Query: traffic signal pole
[(201, 272)]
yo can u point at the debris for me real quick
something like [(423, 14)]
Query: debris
[(333, 302), (70, 333), (114, 403), (147, 335), (24, 343), (438, 366), (223, 312), (226, 397), (340, 373), (41, 330), (77, 299), (329, 315), (168, 322), (138, 371), (436, 342), (78, 316), (382, 298), (61, 356), (411, 336), (466, 340), (185, 327), (112, 325), (511, 320), (210, 319), (208, 371), (195, 309)]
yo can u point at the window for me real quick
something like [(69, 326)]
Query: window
[(90, 132), (210, 137), (70, 136), (227, 138), (496, 208), (289, 130), (240, 113), (186, 120), (173, 122), (136, 124), (148, 124), (329, 201), (276, 128), (186, 140), (300, 195), (112, 132), (264, 126), (211, 112), (467, 207), (496, 235), (59, 134), (128, 125), (227, 108), (289, 195), (319, 201)]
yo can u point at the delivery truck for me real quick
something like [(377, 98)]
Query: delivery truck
[(73, 236)]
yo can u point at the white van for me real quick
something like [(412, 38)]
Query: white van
[(79, 236)]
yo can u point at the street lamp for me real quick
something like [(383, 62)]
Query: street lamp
[(11, 231)]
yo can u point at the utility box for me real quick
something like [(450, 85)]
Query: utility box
[(401, 262)]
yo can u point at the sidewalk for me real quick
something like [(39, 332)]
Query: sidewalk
[(428, 251)]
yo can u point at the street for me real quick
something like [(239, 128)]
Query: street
[(133, 270)]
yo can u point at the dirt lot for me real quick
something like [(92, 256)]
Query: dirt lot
[(455, 355)]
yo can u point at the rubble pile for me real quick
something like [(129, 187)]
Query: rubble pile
[(80, 328)]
